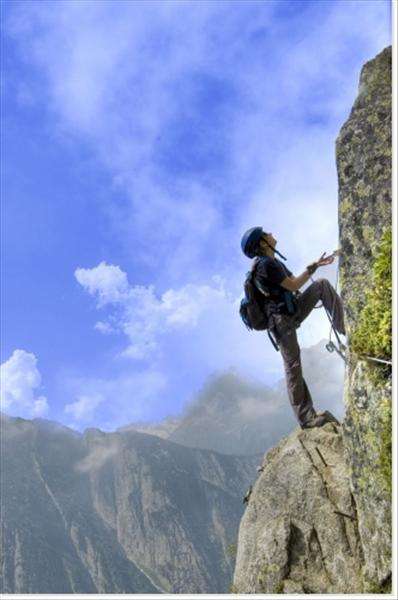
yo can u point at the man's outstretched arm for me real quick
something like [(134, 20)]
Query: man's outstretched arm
[(295, 283)]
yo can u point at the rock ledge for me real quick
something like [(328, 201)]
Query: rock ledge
[(299, 533)]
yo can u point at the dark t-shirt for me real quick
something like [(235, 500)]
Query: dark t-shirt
[(271, 272)]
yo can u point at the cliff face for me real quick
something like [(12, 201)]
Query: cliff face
[(299, 533), (119, 512), (363, 152), (319, 516)]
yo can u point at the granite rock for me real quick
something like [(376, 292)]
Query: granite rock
[(299, 533), (363, 155)]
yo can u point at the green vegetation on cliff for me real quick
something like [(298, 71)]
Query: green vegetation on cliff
[(386, 445), (372, 336)]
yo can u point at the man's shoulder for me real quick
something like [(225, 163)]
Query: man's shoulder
[(264, 262), (267, 259)]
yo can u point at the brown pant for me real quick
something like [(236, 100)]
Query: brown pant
[(284, 329)]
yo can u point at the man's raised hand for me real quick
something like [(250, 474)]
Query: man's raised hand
[(325, 260)]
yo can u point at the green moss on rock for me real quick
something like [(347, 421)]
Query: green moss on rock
[(372, 336), (269, 578), (375, 431), (385, 444)]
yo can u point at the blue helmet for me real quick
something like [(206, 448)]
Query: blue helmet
[(250, 241)]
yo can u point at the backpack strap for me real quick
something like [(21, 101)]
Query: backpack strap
[(260, 288), (274, 343), (257, 284)]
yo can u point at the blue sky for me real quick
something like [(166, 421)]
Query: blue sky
[(140, 140)]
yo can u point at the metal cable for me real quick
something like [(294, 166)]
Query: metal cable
[(379, 360)]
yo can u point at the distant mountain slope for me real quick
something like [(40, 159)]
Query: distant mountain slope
[(163, 429), (236, 416), (120, 512)]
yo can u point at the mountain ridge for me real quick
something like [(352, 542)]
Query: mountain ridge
[(116, 513)]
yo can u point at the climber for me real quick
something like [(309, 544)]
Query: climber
[(287, 308)]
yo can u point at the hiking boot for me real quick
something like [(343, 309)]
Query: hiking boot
[(319, 420)]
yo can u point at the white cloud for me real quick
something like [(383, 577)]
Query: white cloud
[(107, 282), (40, 407), (113, 401), (84, 407), (252, 409), (20, 380), (146, 316), (98, 457), (104, 327), (196, 323), (127, 77), (130, 79)]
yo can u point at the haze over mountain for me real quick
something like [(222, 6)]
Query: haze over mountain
[(144, 511), (116, 512), (234, 415)]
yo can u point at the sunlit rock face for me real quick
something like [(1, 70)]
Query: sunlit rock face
[(363, 152), (299, 533)]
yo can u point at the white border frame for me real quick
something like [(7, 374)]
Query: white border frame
[(394, 5)]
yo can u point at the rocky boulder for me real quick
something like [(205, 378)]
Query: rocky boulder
[(299, 533)]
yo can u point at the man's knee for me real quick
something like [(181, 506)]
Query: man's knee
[(292, 363), (323, 284), (322, 281)]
